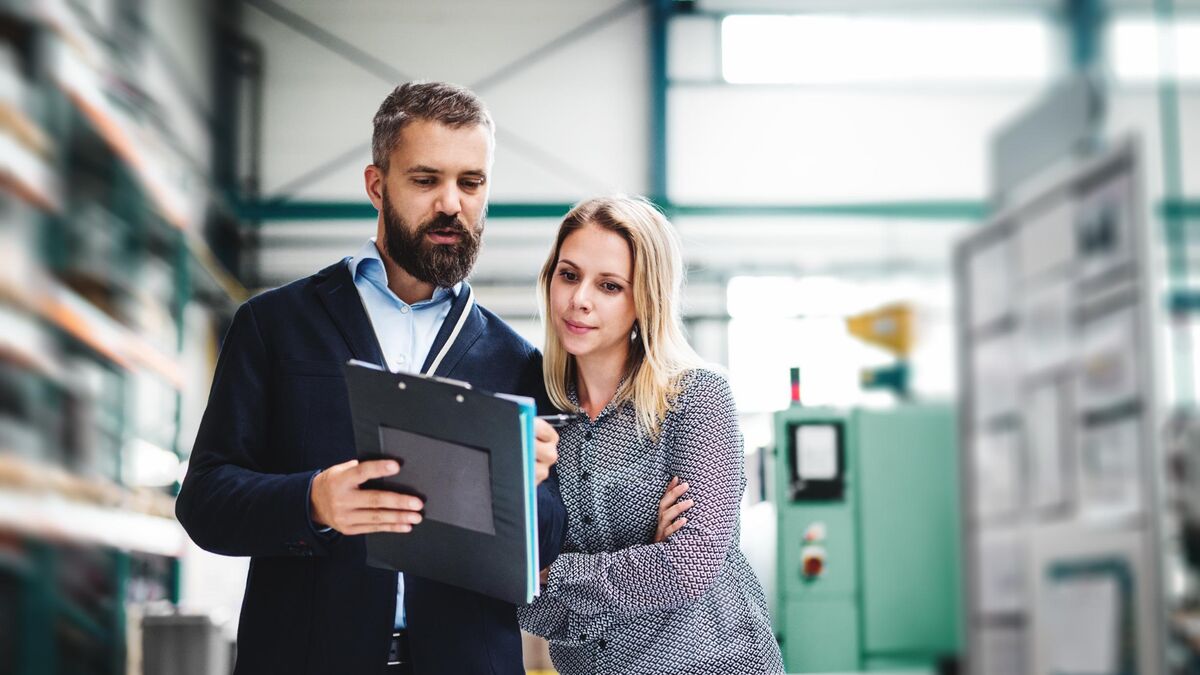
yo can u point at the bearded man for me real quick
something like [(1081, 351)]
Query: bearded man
[(272, 474)]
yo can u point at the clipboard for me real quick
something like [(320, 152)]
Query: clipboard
[(469, 454)]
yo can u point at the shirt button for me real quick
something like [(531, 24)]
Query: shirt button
[(603, 644), (585, 475), (587, 435), (583, 636), (587, 520), (404, 309)]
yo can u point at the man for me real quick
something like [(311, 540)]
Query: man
[(272, 474)]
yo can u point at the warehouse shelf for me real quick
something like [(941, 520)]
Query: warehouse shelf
[(49, 503), (24, 475), (28, 358), (78, 75), (85, 322), (24, 170), (55, 518), (106, 252), (16, 565), (81, 620), (21, 177), (81, 82), (81, 85)]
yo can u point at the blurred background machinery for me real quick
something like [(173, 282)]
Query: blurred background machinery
[(868, 549), (868, 573), (1066, 540)]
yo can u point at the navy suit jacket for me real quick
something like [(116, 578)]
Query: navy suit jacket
[(279, 411)]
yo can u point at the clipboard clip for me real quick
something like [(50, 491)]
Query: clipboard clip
[(436, 378), (460, 383)]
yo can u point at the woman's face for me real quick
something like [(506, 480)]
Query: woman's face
[(591, 293)]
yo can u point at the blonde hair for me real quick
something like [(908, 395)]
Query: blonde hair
[(659, 354)]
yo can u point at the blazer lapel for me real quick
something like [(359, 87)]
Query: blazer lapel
[(466, 312), (345, 307)]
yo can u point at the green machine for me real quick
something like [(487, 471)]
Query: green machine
[(869, 571)]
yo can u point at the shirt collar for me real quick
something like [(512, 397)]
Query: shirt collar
[(610, 408), (368, 263)]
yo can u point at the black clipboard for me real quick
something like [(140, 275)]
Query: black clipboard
[(469, 455)]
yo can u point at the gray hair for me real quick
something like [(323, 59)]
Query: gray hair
[(448, 104)]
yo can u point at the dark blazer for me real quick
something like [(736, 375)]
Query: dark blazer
[(278, 412)]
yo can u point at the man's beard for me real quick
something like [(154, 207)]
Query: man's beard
[(442, 265)]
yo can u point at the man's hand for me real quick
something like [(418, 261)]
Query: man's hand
[(669, 508), (546, 444), (339, 502)]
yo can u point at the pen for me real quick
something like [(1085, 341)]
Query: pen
[(560, 420)]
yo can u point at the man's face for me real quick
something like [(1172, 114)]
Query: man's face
[(435, 200)]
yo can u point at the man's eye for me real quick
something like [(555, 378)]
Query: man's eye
[(422, 180)]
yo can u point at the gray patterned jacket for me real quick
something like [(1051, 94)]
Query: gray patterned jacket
[(617, 603)]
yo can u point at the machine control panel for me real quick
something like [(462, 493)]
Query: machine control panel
[(817, 459)]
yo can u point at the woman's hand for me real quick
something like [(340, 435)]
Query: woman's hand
[(669, 508), (546, 446)]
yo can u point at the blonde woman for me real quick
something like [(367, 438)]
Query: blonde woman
[(639, 589)]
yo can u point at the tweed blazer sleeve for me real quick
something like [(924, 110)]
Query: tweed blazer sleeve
[(707, 454)]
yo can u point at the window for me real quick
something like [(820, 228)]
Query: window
[(779, 323), (842, 49), (1137, 45)]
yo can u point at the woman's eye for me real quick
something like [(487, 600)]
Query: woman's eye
[(611, 287), (567, 275)]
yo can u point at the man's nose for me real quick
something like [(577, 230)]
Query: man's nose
[(449, 200)]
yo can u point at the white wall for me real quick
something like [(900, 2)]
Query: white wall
[(796, 145), (583, 105)]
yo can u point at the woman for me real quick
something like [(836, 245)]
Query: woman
[(635, 589)]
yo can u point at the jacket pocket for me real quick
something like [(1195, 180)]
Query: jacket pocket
[(313, 420)]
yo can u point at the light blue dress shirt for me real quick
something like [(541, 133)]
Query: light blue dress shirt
[(405, 332)]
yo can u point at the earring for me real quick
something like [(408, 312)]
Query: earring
[(633, 335)]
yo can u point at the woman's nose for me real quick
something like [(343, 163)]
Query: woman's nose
[(581, 299)]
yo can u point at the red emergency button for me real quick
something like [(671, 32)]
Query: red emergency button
[(812, 561)]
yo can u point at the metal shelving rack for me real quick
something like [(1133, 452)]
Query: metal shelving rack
[(103, 250)]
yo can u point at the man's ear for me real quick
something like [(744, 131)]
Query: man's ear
[(373, 180)]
